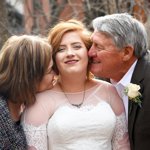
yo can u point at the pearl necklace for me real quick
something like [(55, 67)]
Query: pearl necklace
[(75, 105)]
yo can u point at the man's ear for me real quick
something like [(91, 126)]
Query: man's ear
[(128, 53)]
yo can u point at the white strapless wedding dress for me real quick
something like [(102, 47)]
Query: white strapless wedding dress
[(87, 128)]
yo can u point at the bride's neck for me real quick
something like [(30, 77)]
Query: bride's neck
[(73, 84)]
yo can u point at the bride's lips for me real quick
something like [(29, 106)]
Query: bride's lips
[(71, 61)]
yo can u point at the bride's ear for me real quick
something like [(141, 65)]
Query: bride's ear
[(128, 53)]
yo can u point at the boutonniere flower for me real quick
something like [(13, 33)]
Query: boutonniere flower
[(132, 91)]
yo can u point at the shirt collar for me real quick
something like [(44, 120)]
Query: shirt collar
[(127, 77)]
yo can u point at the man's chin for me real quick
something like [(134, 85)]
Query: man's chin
[(94, 72)]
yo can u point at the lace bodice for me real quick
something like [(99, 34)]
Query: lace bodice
[(94, 126), (87, 128)]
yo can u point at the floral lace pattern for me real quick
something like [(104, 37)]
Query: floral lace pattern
[(98, 122), (34, 135), (120, 132)]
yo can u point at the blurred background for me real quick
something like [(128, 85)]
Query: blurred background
[(38, 16)]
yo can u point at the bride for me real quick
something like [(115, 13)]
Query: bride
[(79, 112)]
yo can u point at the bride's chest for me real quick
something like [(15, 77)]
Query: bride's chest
[(85, 121)]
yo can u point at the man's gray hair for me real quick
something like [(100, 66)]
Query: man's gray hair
[(124, 30)]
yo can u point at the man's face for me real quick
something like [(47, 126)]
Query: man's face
[(106, 58)]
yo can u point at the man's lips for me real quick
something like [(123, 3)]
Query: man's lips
[(95, 61)]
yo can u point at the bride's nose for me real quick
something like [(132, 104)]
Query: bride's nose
[(70, 52)]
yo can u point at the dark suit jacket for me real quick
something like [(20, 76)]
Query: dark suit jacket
[(139, 117)]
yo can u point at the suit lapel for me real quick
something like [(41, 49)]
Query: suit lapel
[(137, 78), (133, 107)]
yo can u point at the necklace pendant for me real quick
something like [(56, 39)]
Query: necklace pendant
[(65, 94), (77, 105)]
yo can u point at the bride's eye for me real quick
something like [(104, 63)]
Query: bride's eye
[(61, 49), (76, 47)]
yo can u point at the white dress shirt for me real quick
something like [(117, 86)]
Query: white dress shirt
[(120, 86)]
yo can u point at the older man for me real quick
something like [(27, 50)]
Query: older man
[(120, 53)]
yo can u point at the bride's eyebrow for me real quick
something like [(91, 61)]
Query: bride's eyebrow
[(76, 44), (71, 44)]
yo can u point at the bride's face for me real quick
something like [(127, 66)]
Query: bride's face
[(72, 56)]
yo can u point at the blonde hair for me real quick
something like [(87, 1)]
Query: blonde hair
[(57, 32), (23, 62)]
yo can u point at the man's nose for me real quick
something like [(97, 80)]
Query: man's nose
[(91, 51)]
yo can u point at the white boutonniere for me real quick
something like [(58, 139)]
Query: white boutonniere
[(132, 91)]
